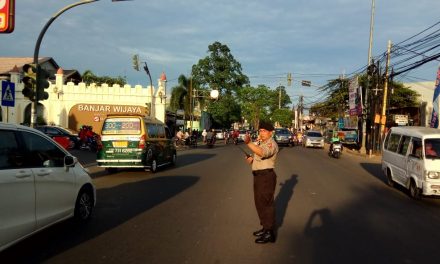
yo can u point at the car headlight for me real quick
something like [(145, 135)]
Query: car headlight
[(433, 175)]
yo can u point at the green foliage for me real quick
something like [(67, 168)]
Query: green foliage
[(284, 116), (180, 95), (402, 96), (89, 77), (219, 70), (337, 100), (254, 103), (225, 111), (279, 98)]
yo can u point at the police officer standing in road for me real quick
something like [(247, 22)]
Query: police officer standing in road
[(265, 151)]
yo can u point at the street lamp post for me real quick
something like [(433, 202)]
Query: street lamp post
[(151, 88), (213, 94), (37, 47)]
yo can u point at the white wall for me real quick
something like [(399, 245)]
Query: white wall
[(62, 97)]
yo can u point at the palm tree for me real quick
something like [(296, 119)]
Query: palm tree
[(180, 96)]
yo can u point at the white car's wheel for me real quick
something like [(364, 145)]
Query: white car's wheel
[(390, 181), (414, 192), (84, 205), (153, 166)]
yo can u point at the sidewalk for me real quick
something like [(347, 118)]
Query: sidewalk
[(357, 152)]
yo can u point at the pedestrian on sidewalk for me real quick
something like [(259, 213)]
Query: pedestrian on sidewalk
[(204, 133), (265, 151)]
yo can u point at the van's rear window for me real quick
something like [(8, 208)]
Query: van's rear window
[(117, 126)]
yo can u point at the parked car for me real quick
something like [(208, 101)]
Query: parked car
[(283, 137), (349, 136), (41, 184), (57, 131), (64, 141), (313, 139), (241, 135), (219, 134)]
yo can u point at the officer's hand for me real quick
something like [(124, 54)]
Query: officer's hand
[(247, 139), (249, 159)]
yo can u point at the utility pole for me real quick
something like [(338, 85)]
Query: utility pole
[(385, 92), (300, 112), (190, 103), (279, 96), (366, 105)]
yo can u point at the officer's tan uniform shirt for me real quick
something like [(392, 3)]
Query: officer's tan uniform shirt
[(270, 150)]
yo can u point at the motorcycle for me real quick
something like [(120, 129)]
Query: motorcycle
[(93, 144), (191, 142), (335, 149), (210, 141)]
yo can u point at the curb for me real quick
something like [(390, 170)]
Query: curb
[(357, 152)]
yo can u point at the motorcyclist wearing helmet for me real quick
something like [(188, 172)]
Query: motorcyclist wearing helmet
[(333, 140)]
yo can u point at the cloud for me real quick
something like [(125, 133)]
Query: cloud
[(269, 38)]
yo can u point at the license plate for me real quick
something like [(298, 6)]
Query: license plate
[(120, 144)]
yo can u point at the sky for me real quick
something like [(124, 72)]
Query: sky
[(313, 40)]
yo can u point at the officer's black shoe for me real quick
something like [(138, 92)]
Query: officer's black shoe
[(259, 232), (267, 236)]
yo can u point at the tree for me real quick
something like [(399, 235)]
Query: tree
[(180, 96), (219, 70), (283, 116), (403, 96), (254, 103), (279, 98), (336, 103), (89, 77), (225, 111)]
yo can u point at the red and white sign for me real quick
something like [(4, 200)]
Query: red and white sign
[(7, 16)]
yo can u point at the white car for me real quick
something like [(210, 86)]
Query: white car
[(313, 139), (219, 134), (40, 184)]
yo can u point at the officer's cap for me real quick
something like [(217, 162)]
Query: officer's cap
[(266, 125)]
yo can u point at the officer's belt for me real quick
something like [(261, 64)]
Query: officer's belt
[(259, 172)]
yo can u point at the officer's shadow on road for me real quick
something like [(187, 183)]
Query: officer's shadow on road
[(284, 196)]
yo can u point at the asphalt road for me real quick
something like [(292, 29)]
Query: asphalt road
[(201, 211)]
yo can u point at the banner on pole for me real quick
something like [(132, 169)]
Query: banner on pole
[(354, 97), (435, 102)]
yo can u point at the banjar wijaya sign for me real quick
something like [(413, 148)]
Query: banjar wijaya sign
[(94, 114)]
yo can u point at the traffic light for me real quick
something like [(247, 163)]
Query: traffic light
[(29, 81), (7, 16), (42, 84), (136, 62), (306, 83), (289, 79)]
